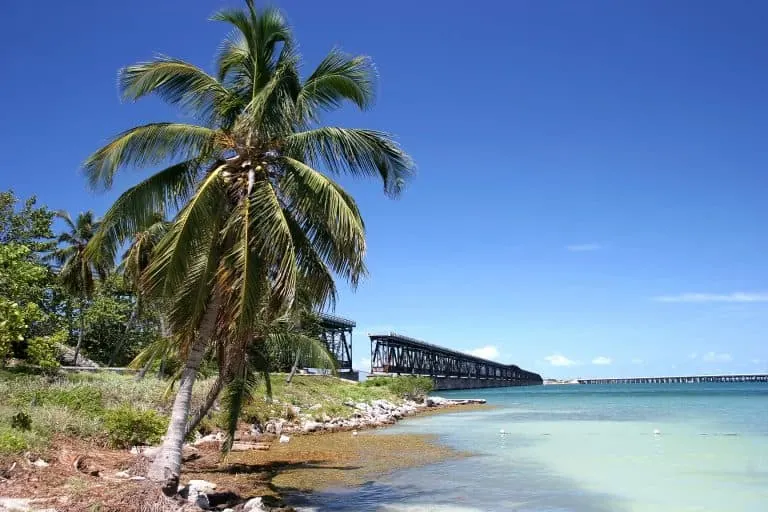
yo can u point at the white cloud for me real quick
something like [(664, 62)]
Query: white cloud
[(637, 360), (583, 247), (486, 352), (715, 357), (560, 360), (715, 297), (756, 361), (693, 355), (602, 360)]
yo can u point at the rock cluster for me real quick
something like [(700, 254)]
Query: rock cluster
[(365, 415)]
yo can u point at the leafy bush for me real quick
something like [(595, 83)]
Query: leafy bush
[(127, 426), (14, 441), (21, 421), (41, 350), (409, 387), (11, 442)]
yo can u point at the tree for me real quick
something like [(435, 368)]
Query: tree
[(135, 261), (254, 212), (293, 333), (29, 226), (30, 301), (78, 269)]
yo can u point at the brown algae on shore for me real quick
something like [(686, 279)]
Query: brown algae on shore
[(319, 461)]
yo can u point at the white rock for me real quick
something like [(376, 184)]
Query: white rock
[(315, 407), (198, 491), (15, 504), (254, 505), (147, 451), (122, 474), (284, 439), (137, 478), (218, 437), (201, 485), (354, 433), (40, 463), (434, 401)]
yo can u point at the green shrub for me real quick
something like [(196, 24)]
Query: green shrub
[(21, 421), (411, 387), (42, 351), (11, 442), (127, 426)]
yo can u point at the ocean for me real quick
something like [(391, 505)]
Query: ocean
[(586, 448)]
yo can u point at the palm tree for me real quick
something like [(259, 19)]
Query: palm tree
[(254, 213), (292, 333), (135, 261), (78, 268)]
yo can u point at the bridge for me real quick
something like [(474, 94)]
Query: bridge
[(691, 379), (337, 335), (396, 354)]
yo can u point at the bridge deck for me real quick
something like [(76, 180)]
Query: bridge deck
[(690, 379), (395, 353)]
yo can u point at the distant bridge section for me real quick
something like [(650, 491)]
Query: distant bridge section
[(396, 354), (693, 379), (337, 335)]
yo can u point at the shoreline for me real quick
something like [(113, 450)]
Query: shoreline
[(332, 455)]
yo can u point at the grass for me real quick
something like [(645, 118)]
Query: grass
[(319, 396), (116, 410), (108, 408)]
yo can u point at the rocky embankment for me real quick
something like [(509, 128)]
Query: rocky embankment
[(377, 413)]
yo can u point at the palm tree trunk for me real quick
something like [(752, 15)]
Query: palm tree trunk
[(206, 406), (166, 468), (145, 368), (80, 332), (294, 368), (120, 342)]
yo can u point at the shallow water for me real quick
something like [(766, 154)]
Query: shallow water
[(586, 448)]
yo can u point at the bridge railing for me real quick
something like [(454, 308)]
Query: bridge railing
[(395, 353)]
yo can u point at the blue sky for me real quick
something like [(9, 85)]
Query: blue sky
[(591, 175)]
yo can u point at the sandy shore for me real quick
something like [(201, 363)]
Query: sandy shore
[(80, 476)]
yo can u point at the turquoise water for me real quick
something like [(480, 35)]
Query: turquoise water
[(586, 448)]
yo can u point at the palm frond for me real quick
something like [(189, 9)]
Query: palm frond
[(236, 395), (150, 144), (337, 78), (314, 352), (356, 152), (66, 217), (138, 206), (270, 236), (179, 83), (189, 232)]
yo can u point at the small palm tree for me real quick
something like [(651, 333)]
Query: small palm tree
[(135, 261), (241, 367), (255, 213), (78, 269)]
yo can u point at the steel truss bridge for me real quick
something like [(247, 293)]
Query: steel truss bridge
[(692, 379), (337, 335), (396, 354)]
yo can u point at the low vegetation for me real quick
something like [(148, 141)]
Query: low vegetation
[(409, 387), (118, 411), (107, 408)]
